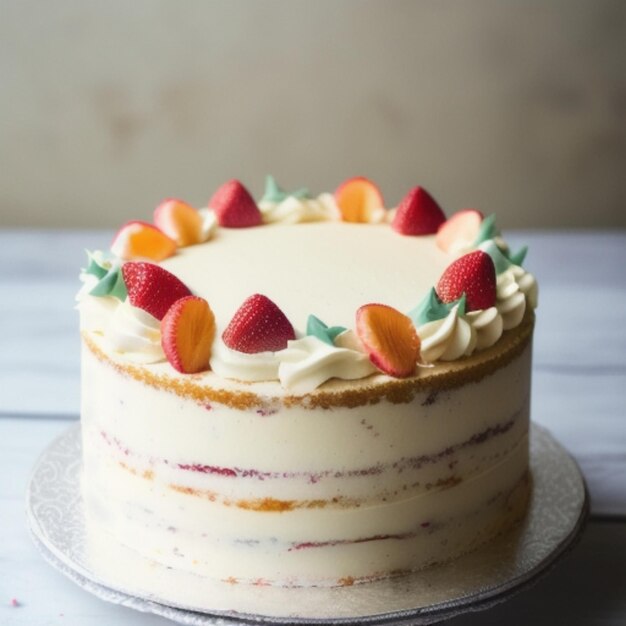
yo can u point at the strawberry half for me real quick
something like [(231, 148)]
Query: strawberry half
[(234, 206), (390, 339), (152, 288), (418, 214), (187, 332), (258, 326), (474, 275)]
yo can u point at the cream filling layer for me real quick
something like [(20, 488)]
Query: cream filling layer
[(184, 532), (263, 445)]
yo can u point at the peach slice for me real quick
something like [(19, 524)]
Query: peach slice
[(187, 333), (179, 221), (360, 200), (460, 231), (140, 240), (390, 339)]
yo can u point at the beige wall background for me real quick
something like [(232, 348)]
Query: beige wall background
[(512, 107)]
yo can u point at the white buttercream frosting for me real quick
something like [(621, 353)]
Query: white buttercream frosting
[(293, 210), (89, 281), (447, 339), (301, 367), (229, 363), (515, 288), (308, 362), (95, 311), (287, 253), (135, 333), (209, 223), (488, 326), (457, 335)]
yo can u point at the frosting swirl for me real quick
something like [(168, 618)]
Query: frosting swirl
[(209, 224), (308, 362), (229, 363), (488, 326), (95, 311), (136, 334), (447, 339), (514, 288), (294, 209)]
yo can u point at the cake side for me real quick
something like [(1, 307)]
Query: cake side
[(300, 496)]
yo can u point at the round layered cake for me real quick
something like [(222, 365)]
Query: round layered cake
[(304, 391)]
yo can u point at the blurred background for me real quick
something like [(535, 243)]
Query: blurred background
[(517, 108)]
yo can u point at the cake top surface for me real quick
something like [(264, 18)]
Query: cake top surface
[(328, 269), (295, 292)]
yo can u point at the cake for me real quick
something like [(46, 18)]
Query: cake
[(306, 391)]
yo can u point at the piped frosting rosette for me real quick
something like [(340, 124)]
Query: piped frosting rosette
[(448, 330), (459, 334), (279, 206), (307, 362), (135, 334), (102, 290)]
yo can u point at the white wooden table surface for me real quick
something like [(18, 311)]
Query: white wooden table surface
[(579, 393)]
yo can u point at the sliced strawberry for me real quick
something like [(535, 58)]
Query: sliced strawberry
[(187, 333), (359, 200), (474, 275), (390, 339), (140, 240), (152, 288), (418, 214), (258, 326), (179, 221), (234, 206), (460, 231)]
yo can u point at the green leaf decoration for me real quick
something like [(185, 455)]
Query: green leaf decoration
[(499, 258), (461, 302), (111, 285), (502, 259), (518, 257), (487, 230), (94, 268), (327, 334), (431, 308), (110, 279), (275, 193)]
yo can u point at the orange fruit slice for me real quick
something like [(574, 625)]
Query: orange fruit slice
[(179, 221), (360, 200), (187, 333), (140, 240), (389, 338)]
